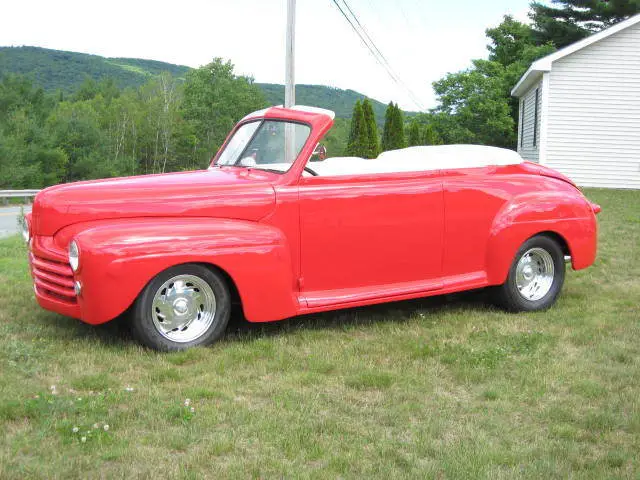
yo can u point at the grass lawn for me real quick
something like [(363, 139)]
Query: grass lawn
[(445, 387)]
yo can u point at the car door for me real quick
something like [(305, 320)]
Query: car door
[(472, 197), (369, 235)]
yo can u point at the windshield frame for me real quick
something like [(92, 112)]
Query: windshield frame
[(261, 121)]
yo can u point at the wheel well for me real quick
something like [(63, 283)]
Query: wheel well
[(233, 288), (559, 240)]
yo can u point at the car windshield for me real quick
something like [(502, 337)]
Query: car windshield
[(269, 145)]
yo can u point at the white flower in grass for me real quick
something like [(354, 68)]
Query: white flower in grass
[(75, 429), (95, 425), (106, 427), (187, 402), (79, 399), (128, 389), (193, 410), (83, 439)]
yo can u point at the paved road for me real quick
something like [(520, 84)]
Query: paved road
[(9, 220)]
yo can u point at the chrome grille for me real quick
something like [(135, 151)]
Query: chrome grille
[(53, 278)]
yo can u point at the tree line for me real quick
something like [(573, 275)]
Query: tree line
[(170, 124), (365, 141), (103, 131)]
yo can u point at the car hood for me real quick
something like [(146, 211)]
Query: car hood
[(218, 192)]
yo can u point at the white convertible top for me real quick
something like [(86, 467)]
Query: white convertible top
[(416, 159)]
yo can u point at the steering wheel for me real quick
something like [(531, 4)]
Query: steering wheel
[(311, 172)]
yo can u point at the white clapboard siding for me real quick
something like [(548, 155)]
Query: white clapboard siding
[(527, 148), (593, 115)]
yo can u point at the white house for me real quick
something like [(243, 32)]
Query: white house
[(580, 109)]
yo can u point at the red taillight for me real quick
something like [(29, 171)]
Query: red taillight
[(596, 208)]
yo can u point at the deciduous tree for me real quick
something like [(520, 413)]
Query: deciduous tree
[(475, 105), (214, 100)]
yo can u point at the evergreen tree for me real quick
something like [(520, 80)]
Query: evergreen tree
[(386, 132), (415, 133), (354, 144), (573, 20), (399, 138), (370, 131), (393, 136), (365, 135), (421, 134), (430, 136)]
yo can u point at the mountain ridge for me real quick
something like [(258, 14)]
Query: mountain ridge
[(65, 70)]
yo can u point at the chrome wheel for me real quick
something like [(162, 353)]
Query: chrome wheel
[(183, 308), (534, 274)]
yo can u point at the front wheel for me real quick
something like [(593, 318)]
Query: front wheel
[(535, 277), (183, 306)]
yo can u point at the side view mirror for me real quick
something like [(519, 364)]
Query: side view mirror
[(319, 153)]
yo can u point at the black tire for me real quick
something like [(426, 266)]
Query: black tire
[(508, 295), (144, 327)]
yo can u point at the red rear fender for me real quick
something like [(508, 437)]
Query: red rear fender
[(564, 212)]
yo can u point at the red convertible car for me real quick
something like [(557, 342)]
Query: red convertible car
[(274, 231)]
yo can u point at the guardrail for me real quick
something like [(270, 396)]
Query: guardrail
[(26, 194)]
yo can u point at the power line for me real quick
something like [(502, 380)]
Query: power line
[(375, 51), (366, 39)]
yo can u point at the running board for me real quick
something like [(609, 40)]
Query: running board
[(363, 295)]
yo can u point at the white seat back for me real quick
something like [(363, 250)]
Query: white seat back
[(418, 159)]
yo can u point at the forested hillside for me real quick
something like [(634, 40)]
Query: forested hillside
[(340, 101), (101, 130), (56, 70)]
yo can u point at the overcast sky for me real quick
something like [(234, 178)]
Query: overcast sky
[(422, 39)]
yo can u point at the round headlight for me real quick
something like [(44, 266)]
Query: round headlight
[(74, 256), (26, 234)]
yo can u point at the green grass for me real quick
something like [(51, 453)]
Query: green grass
[(439, 388)]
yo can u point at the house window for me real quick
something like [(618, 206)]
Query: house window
[(535, 119), (522, 123)]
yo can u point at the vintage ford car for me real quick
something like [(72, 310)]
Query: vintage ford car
[(271, 231)]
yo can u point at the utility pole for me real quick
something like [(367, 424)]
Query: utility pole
[(290, 82)]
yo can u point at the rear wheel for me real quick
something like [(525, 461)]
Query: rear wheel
[(535, 277), (184, 306)]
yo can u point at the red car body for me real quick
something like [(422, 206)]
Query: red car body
[(292, 244)]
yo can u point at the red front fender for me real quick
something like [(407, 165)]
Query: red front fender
[(119, 258)]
